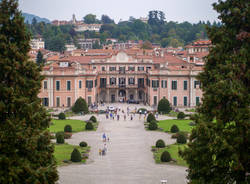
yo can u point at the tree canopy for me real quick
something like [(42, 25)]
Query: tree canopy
[(26, 154), (218, 152), (157, 30)]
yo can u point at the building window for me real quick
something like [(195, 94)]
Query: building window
[(185, 101), (95, 82), (131, 81), (68, 85), (103, 68), (103, 82), (112, 68), (45, 102), (196, 83), (45, 84), (175, 100), (185, 84), (68, 101), (89, 84), (122, 69), (112, 81), (58, 101), (197, 101), (174, 85), (94, 67), (58, 85), (155, 83), (140, 68), (131, 68), (141, 82), (164, 84), (80, 84)]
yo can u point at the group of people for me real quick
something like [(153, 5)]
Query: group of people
[(103, 151)]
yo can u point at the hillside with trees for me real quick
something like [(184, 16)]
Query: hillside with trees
[(156, 30)]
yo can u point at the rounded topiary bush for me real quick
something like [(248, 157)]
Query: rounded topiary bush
[(165, 156), (181, 115), (93, 119), (174, 129), (160, 143), (83, 144), (181, 139), (80, 106), (67, 135), (67, 128), (61, 116), (89, 126), (151, 117), (76, 156), (60, 137), (164, 106), (153, 125)]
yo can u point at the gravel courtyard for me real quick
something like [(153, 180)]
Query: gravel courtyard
[(129, 159)]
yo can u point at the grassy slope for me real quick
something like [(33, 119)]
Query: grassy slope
[(63, 152), (58, 125), (183, 125), (173, 150)]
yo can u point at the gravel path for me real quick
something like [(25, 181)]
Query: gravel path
[(129, 159)]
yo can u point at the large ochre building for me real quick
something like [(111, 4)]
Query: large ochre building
[(120, 75)]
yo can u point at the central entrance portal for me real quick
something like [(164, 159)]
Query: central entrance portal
[(122, 95)]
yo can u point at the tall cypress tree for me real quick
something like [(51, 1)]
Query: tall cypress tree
[(26, 155), (39, 58), (219, 152)]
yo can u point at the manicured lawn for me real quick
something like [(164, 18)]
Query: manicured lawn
[(183, 125), (63, 152), (58, 125), (173, 150)]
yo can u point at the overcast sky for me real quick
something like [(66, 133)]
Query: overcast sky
[(175, 10)]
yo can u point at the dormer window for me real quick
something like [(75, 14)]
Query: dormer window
[(64, 64)]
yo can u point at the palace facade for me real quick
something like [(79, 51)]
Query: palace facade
[(120, 75)]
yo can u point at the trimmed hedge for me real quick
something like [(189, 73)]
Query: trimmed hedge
[(174, 129), (83, 144), (153, 125), (164, 106), (165, 156), (151, 117), (89, 126), (68, 128), (93, 119), (181, 115), (160, 143), (61, 116), (60, 137), (76, 156)]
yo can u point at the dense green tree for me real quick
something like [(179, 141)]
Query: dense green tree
[(90, 19), (164, 106), (147, 45), (80, 106), (219, 152), (39, 58), (107, 20), (26, 154)]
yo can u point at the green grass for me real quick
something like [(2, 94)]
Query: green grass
[(58, 125), (183, 125), (63, 152), (173, 150)]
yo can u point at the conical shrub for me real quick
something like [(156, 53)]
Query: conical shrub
[(76, 156)]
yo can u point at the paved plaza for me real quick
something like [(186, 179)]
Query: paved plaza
[(129, 159)]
